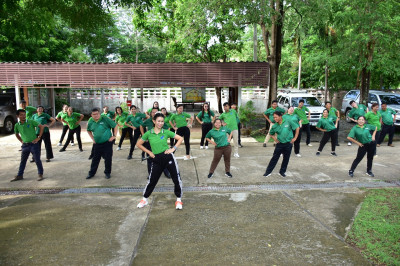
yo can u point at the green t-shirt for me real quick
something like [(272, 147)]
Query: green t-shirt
[(71, 120), (332, 113), (180, 119), (135, 120), (327, 123), (120, 119), (60, 115), (101, 129), (374, 119), (148, 123), (27, 130), (230, 119), (29, 112), (110, 114), (355, 113), (301, 112), (284, 130), (220, 136), (292, 117), (362, 134), (270, 113), (207, 116), (166, 121), (387, 116), (43, 119), (158, 142)]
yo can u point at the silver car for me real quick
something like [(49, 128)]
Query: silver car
[(8, 118), (392, 100)]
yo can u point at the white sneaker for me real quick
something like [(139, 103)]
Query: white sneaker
[(236, 155), (201, 147), (187, 158), (349, 144), (309, 145), (206, 147), (142, 203), (178, 205), (298, 155), (59, 144), (118, 148), (72, 144)]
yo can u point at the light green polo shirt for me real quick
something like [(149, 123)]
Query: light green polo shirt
[(301, 112), (101, 129), (166, 121), (207, 116), (120, 119), (135, 120), (27, 130), (332, 113), (327, 123), (29, 112), (71, 120), (387, 116), (230, 119), (110, 114), (60, 115), (220, 136), (355, 113), (295, 118), (180, 119), (362, 134), (43, 119), (270, 113), (374, 119), (284, 130), (158, 142)]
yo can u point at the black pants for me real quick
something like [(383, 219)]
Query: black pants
[(172, 140), (159, 163), (368, 149), (71, 133), (123, 134), (103, 150), (150, 160), (305, 128), (205, 127), (325, 138), (64, 131), (377, 137), (185, 133), (239, 127), (47, 144), (386, 130), (280, 148), (135, 137)]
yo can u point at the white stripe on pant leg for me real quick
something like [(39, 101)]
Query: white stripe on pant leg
[(148, 181), (177, 172)]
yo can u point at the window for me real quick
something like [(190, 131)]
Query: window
[(308, 101), (390, 99), (352, 95), (372, 98)]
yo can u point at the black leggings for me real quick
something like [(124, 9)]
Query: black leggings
[(71, 133), (328, 135), (205, 127), (47, 144), (64, 131), (136, 136), (369, 149), (172, 140), (123, 134), (185, 133)]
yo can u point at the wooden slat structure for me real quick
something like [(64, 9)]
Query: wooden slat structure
[(129, 75)]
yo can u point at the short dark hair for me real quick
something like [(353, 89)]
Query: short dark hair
[(217, 119), (274, 101), (328, 102), (225, 104), (179, 105), (383, 103), (130, 108), (158, 115), (40, 106), (351, 102), (301, 101), (96, 109), (20, 111), (23, 101), (118, 107), (373, 105), (278, 113)]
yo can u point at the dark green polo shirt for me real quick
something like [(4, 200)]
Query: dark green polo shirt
[(135, 120), (180, 119), (355, 113), (29, 112), (230, 119), (27, 130), (220, 136), (166, 121), (284, 130), (332, 113), (148, 123), (292, 117), (158, 142), (110, 114), (207, 116), (362, 134), (327, 123), (43, 119), (60, 115), (71, 120), (101, 129), (270, 113), (374, 119), (301, 112), (387, 116)]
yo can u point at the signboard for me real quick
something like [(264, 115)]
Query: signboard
[(193, 95)]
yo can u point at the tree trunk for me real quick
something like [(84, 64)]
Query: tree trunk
[(218, 93), (364, 88)]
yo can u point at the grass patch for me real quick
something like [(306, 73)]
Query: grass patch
[(376, 229)]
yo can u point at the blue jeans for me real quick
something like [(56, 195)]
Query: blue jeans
[(28, 148)]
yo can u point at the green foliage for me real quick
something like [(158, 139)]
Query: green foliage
[(376, 229), (247, 114)]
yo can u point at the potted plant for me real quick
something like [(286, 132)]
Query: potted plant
[(247, 116)]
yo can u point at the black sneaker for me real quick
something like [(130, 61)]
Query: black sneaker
[(228, 174), (338, 144), (129, 157), (369, 173), (90, 157), (61, 150), (210, 175), (333, 154), (265, 145), (266, 174), (89, 176), (351, 173), (108, 176), (282, 174), (318, 153)]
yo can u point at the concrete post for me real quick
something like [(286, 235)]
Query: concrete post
[(17, 94)]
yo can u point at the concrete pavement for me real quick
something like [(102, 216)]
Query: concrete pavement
[(249, 219)]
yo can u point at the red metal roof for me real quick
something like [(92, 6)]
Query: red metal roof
[(146, 75)]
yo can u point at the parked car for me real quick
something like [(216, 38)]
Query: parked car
[(292, 98), (8, 118), (374, 96)]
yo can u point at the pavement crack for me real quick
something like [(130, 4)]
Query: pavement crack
[(197, 174)]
